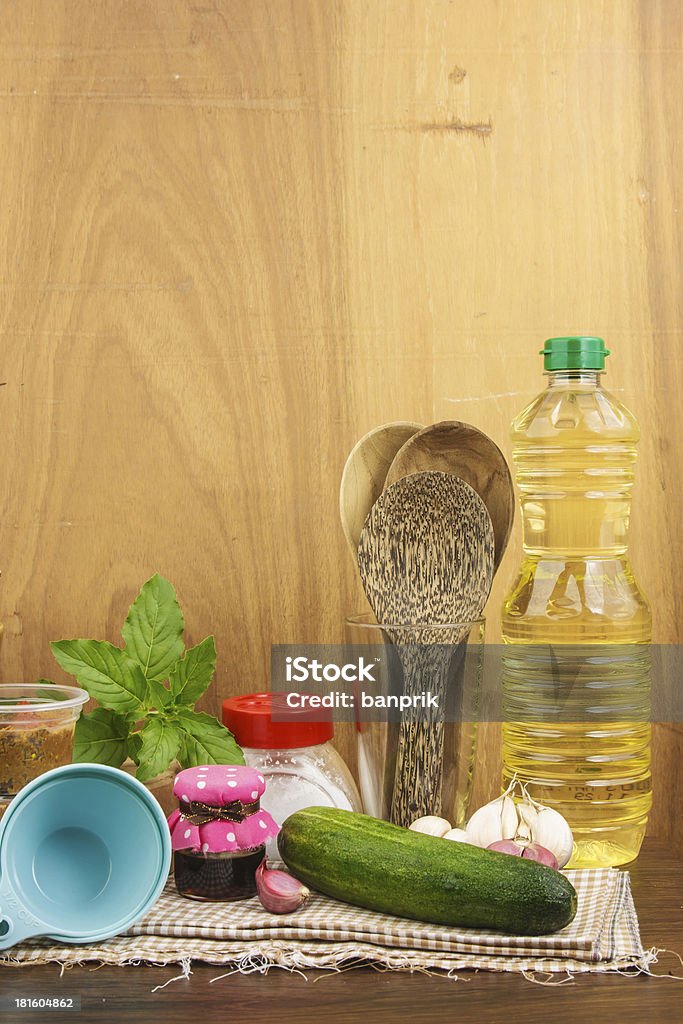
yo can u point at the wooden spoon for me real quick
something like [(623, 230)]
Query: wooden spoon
[(425, 557), (462, 450), (365, 472)]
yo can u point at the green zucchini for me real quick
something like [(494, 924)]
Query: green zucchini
[(374, 864)]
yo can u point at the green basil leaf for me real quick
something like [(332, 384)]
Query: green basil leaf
[(193, 673), (159, 696), (205, 741), (160, 744), (101, 736), (153, 630), (184, 755), (134, 744), (105, 671)]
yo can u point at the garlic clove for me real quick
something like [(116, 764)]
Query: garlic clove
[(279, 892), (523, 834), (552, 831), (528, 814), (508, 818), (494, 821), (430, 825), (459, 835)]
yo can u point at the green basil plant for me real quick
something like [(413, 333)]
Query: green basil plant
[(147, 691)]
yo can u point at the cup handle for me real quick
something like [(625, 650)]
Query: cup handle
[(16, 923)]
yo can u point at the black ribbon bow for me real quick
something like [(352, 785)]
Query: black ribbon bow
[(199, 813)]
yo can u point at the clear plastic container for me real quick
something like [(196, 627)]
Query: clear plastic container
[(37, 722)]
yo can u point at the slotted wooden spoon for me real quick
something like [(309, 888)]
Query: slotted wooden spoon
[(425, 557), (365, 472), (462, 450)]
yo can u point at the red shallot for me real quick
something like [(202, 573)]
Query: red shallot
[(532, 851)]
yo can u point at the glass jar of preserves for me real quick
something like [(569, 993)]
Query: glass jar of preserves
[(219, 831)]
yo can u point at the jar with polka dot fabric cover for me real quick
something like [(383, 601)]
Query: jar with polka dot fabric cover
[(219, 831)]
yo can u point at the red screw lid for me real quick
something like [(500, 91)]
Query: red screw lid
[(250, 719)]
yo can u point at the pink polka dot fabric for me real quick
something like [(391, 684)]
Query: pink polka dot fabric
[(219, 785)]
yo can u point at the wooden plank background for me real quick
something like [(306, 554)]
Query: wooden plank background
[(236, 236)]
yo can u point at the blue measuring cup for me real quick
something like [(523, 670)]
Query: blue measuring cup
[(85, 851)]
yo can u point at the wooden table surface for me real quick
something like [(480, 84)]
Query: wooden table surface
[(112, 994)]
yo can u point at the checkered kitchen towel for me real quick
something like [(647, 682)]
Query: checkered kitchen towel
[(327, 934)]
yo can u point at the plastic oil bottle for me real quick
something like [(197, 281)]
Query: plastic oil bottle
[(576, 627)]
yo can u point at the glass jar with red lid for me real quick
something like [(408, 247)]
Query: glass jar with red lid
[(293, 750)]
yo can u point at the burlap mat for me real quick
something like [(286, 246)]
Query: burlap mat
[(604, 936)]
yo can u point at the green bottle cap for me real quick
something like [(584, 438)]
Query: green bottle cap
[(577, 353)]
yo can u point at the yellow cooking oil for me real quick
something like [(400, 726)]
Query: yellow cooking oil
[(576, 626)]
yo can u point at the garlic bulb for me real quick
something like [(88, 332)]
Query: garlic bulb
[(431, 825), (494, 821), (523, 820)]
